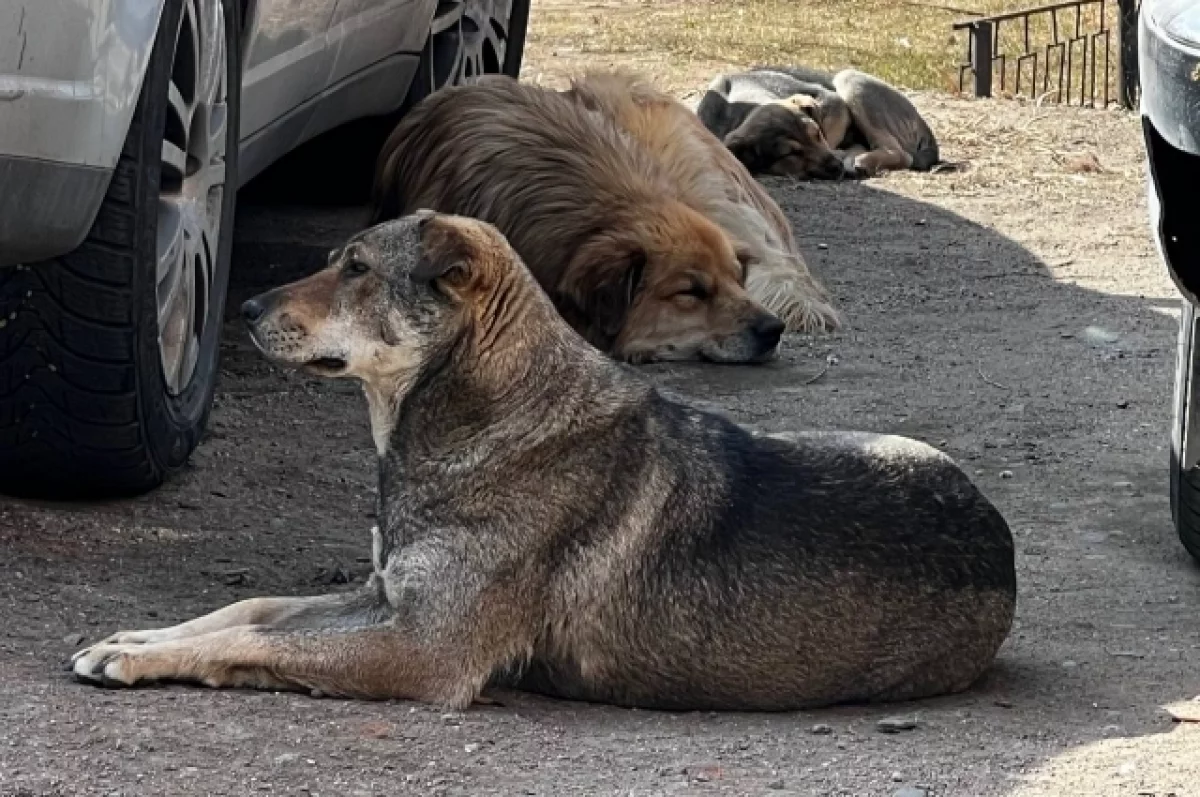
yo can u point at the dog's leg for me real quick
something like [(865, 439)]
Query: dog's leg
[(849, 156), (889, 155), (374, 662), (365, 605), (896, 135)]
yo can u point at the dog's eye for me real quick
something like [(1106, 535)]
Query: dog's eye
[(696, 291), (355, 268)]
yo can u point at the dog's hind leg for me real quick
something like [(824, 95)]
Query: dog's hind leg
[(888, 122), (379, 662), (882, 159)]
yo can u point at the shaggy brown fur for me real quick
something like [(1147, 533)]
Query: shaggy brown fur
[(718, 185), (608, 232)]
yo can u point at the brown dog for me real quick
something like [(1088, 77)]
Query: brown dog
[(547, 519), (605, 229), (714, 182)]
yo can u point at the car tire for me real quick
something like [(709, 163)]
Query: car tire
[(1185, 483), (97, 398), (452, 55), (338, 167)]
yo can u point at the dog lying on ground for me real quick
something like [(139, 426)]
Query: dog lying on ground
[(718, 185), (805, 123), (548, 519), (625, 255)]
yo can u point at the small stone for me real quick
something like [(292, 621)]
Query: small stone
[(921, 222), (1006, 474), (452, 718), (1099, 336), (1069, 665), (1083, 163), (74, 640), (777, 785), (377, 730), (910, 791), (1123, 404), (471, 748), (287, 758), (897, 777), (821, 729), (822, 246), (896, 724), (1002, 703), (317, 693)]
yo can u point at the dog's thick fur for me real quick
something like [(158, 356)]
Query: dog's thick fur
[(805, 123), (548, 519), (607, 232), (718, 185)]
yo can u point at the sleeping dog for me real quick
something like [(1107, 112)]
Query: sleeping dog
[(548, 519), (806, 123)]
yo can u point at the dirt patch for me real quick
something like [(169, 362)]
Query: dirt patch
[(1013, 314)]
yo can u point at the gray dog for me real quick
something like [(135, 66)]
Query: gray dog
[(807, 123), (548, 519)]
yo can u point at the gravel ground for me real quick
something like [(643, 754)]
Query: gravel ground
[(1012, 313)]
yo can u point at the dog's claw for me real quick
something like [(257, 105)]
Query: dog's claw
[(92, 666)]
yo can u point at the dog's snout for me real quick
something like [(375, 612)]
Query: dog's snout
[(834, 169), (253, 309), (769, 330)]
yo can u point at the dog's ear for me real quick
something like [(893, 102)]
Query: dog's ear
[(454, 253), (713, 110), (602, 282), (746, 257)]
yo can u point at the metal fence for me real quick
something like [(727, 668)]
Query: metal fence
[(1081, 52)]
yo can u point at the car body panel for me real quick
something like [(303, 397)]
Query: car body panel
[(286, 58), (71, 72), (70, 75)]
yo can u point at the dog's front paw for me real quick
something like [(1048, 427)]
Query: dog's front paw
[(863, 165), (136, 637), (107, 664)]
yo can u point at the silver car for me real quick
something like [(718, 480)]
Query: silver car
[(126, 127)]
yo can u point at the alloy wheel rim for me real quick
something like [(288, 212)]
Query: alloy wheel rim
[(468, 38), (192, 190)]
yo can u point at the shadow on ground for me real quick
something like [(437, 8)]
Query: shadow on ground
[(1054, 397)]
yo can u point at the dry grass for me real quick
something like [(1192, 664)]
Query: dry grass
[(909, 43)]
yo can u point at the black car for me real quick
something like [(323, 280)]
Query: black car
[(1169, 64)]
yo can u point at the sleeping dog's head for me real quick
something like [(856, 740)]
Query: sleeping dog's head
[(784, 138), (667, 285)]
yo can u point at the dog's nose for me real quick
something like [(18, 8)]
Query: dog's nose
[(252, 310), (769, 329)]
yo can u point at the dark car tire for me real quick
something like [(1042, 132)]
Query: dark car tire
[(1185, 484), (431, 71), (85, 407), (338, 167)]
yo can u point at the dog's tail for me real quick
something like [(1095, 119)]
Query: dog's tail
[(784, 286)]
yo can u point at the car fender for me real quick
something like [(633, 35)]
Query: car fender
[(70, 75)]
